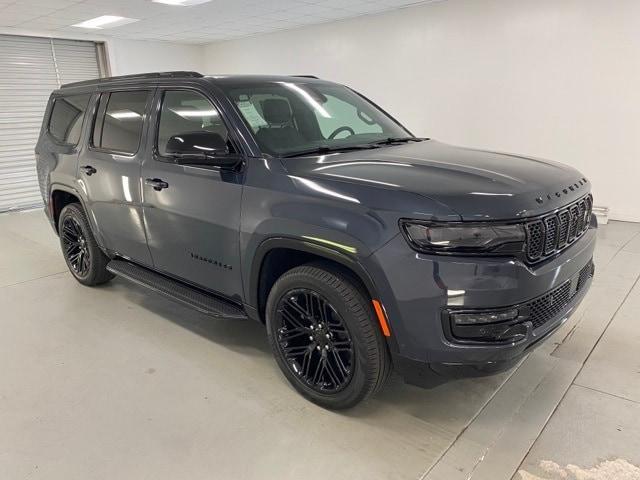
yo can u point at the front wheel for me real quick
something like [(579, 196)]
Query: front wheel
[(86, 262), (322, 331)]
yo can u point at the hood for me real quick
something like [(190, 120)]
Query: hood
[(478, 185)]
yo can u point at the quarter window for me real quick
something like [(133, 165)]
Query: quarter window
[(184, 112), (120, 120), (67, 114)]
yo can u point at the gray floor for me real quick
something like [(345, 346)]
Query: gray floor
[(117, 382)]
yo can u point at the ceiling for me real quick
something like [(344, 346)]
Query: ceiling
[(208, 22)]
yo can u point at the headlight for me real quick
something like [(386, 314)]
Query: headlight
[(471, 238)]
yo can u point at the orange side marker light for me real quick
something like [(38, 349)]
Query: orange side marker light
[(382, 318)]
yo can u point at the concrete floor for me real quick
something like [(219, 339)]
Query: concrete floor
[(117, 382)]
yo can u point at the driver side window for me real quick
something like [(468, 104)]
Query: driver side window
[(336, 113), (186, 112)]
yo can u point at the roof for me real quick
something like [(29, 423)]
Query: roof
[(224, 79), (129, 78)]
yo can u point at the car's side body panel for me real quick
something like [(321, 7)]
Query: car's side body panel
[(192, 225), (57, 165), (113, 193)]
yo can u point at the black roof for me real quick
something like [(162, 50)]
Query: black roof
[(182, 75), (139, 76)]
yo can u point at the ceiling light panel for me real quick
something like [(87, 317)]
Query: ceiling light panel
[(105, 21), (181, 3)]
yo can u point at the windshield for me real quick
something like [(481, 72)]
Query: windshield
[(289, 118)]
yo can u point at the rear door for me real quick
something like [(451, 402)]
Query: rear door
[(192, 213), (109, 171)]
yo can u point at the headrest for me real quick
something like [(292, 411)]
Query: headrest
[(276, 111)]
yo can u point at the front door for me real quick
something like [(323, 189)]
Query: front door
[(191, 213), (109, 172)]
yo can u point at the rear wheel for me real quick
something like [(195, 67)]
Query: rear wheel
[(322, 331), (86, 262)]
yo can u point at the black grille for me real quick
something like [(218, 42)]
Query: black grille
[(582, 208), (554, 232), (535, 238), (584, 275), (551, 237), (549, 305), (574, 211), (563, 229)]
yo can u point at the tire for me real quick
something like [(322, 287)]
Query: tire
[(86, 262), (356, 361)]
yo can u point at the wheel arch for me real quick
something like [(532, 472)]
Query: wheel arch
[(59, 197), (275, 256)]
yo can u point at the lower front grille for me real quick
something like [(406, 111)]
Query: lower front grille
[(549, 305)]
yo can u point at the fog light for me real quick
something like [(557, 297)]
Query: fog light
[(484, 317), (487, 326)]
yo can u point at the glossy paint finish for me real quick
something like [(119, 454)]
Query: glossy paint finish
[(212, 227), (477, 185), (192, 225), (57, 165), (113, 194)]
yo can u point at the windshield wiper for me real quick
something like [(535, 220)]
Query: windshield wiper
[(390, 140), (366, 146), (327, 149)]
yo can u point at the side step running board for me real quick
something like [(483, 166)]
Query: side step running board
[(202, 301)]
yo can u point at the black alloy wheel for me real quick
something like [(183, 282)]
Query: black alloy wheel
[(75, 246), (86, 261), (325, 337), (314, 340)]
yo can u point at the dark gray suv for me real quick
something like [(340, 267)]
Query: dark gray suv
[(301, 204)]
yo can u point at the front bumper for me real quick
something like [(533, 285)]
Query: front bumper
[(417, 290)]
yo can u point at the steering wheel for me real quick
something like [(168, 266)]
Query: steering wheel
[(339, 130)]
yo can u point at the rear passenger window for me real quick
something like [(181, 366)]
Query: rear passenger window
[(65, 123), (120, 119)]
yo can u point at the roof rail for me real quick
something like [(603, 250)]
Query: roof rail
[(305, 76), (138, 76)]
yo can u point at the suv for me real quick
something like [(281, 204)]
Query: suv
[(301, 204)]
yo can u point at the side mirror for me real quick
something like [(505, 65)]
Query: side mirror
[(197, 142), (201, 148)]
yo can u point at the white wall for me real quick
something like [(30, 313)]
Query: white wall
[(137, 56), (552, 78)]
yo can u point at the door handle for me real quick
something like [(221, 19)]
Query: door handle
[(156, 183), (88, 169)]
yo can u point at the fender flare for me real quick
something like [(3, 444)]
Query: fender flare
[(308, 247), (61, 187), (66, 188), (323, 251)]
